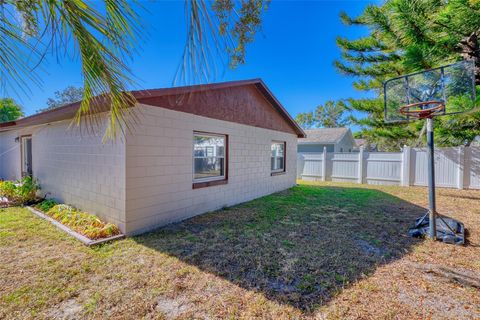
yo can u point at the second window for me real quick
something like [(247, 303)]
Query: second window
[(278, 156)]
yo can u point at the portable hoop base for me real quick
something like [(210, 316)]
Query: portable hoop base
[(448, 230)]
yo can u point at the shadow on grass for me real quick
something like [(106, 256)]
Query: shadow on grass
[(297, 247)]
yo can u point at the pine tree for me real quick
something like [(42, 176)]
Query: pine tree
[(305, 120), (407, 36)]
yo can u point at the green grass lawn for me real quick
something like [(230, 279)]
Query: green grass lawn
[(329, 250)]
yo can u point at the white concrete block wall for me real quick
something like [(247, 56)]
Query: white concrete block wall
[(160, 171), (9, 156), (76, 168), (147, 182)]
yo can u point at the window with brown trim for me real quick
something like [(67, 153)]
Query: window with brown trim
[(278, 156), (210, 157)]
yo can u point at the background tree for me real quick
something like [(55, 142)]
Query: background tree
[(9, 110), (63, 97), (407, 36), (329, 115), (305, 120), (105, 35)]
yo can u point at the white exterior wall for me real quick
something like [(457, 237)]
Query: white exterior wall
[(147, 181), (9, 156), (159, 167), (74, 167)]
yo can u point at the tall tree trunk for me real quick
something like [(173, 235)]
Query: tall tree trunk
[(470, 50)]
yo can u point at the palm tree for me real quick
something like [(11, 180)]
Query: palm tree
[(105, 35)]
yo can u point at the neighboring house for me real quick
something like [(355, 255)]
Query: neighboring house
[(191, 150), (334, 139)]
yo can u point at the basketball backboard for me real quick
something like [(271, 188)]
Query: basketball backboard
[(453, 84)]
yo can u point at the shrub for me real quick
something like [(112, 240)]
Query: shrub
[(46, 205), (7, 189), (21, 191), (27, 189), (84, 223)]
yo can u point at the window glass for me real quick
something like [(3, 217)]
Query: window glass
[(278, 156), (208, 156)]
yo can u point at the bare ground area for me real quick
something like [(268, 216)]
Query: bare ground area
[(325, 251)]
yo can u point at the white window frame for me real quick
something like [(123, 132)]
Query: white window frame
[(284, 144), (23, 155), (224, 157)]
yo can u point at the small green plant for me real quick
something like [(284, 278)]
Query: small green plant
[(7, 189), (340, 278), (27, 189), (288, 244), (21, 191), (46, 205), (82, 222), (307, 283)]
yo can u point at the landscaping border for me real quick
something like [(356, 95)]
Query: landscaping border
[(86, 241)]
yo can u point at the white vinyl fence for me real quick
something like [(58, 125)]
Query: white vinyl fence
[(457, 167)]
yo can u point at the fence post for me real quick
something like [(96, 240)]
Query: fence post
[(324, 164), (460, 167), (300, 165), (360, 165), (406, 166)]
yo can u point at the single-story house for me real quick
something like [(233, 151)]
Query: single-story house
[(334, 139), (191, 150)]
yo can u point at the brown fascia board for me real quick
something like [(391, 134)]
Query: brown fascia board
[(69, 111), (279, 107)]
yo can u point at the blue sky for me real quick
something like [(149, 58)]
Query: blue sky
[(293, 54)]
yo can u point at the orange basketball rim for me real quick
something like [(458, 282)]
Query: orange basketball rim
[(423, 110)]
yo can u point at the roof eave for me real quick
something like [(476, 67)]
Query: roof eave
[(69, 111), (262, 86)]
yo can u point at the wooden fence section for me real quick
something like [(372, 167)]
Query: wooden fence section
[(457, 167)]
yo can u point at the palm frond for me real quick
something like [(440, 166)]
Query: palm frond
[(102, 34)]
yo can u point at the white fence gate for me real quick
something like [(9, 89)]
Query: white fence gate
[(457, 167)]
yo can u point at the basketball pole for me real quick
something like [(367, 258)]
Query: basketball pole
[(431, 180)]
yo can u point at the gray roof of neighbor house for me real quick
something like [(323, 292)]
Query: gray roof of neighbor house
[(324, 135)]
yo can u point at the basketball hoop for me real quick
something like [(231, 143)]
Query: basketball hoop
[(423, 110), (441, 91)]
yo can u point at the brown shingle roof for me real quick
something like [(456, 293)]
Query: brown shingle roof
[(69, 111), (324, 135)]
